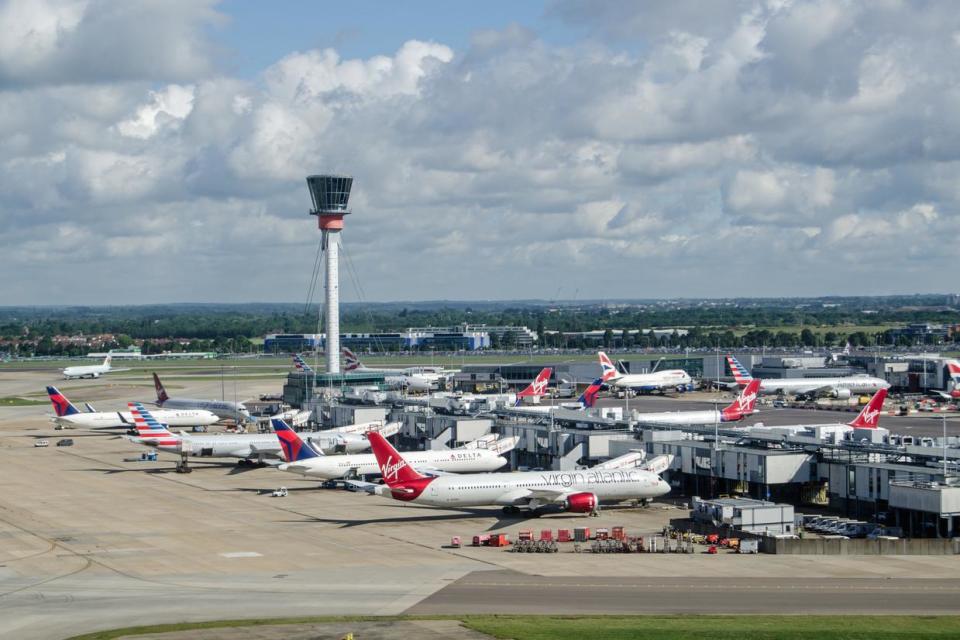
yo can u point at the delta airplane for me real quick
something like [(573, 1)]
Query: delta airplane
[(302, 459), (246, 446), (838, 387), (739, 409), (91, 370), (69, 415), (536, 492), (411, 378), (223, 408), (667, 380)]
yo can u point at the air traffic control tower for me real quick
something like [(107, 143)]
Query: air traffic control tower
[(331, 199)]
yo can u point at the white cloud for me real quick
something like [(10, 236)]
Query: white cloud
[(670, 133)]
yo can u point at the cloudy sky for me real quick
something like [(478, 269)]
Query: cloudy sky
[(155, 151)]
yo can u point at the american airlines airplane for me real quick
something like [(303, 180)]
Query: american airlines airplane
[(666, 380), (245, 446), (838, 387), (302, 459), (739, 409), (91, 370), (69, 415), (534, 491), (223, 408), (411, 378)]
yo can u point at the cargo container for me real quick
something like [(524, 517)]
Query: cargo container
[(546, 534), (581, 534), (498, 540), (563, 535), (749, 546), (617, 533)]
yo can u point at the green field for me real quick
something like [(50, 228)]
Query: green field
[(533, 627), (20, 402)]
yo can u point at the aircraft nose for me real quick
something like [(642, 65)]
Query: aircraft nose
[(663, 487)]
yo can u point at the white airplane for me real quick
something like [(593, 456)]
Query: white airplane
[(743, 406), (90, 370), (245, 446), (69, 415), (868, 418), (953, 387), (534, 491), (302, 459), (586, 400), (667, 380), (411, 378), (837, 387), (223, 408)]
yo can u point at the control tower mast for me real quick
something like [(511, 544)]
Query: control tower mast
[(331, 196)]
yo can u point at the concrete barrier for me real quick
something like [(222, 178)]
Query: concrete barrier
[(861, 547)]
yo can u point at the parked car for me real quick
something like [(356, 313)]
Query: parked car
[(41, 443), (66, 442)]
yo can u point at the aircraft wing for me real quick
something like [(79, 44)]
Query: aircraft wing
[(431, 471), (265, 452), (368, 487), (526, 496)]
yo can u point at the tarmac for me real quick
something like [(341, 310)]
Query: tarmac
[(92, 542)]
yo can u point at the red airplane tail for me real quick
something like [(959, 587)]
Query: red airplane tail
[(869, 417), (161, 392), (538, 387), (394, 469), (744, 404)]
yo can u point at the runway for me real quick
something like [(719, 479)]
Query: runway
[(509, 592)]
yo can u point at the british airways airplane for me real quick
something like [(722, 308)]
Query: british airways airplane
[(666, 380)]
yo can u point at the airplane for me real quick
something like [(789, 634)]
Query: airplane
[(537, 388), (90, 371), (743, 406), (841, 387), (302, 459), (586, 400), (953, 387), (667, 380), (411, 378), (69, 415), (245, 446), (868, 418), (532, 491), (223, 408)]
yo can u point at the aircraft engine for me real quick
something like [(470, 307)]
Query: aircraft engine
[(842, 394), (582, 503)]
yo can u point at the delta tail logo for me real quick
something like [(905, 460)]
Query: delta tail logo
[(61, 406), (589, 397)]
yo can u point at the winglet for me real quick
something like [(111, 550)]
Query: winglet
[(869, 416), (393, 467), (61, 406), (294, 449)]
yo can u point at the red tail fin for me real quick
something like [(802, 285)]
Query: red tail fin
[(393, 467), (539, 386), (869, 417), (161, 392), (744, 404)]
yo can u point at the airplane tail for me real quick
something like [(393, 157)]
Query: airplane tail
[(106, 361), (538, 387), (869, 416), (161, 392), (146, 425), (846, 349), (744, 404), (607, 368), (294, 449), (61, 406), (740, 372), (301, 364), (393, 467), (589, 397), (350, 359)]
